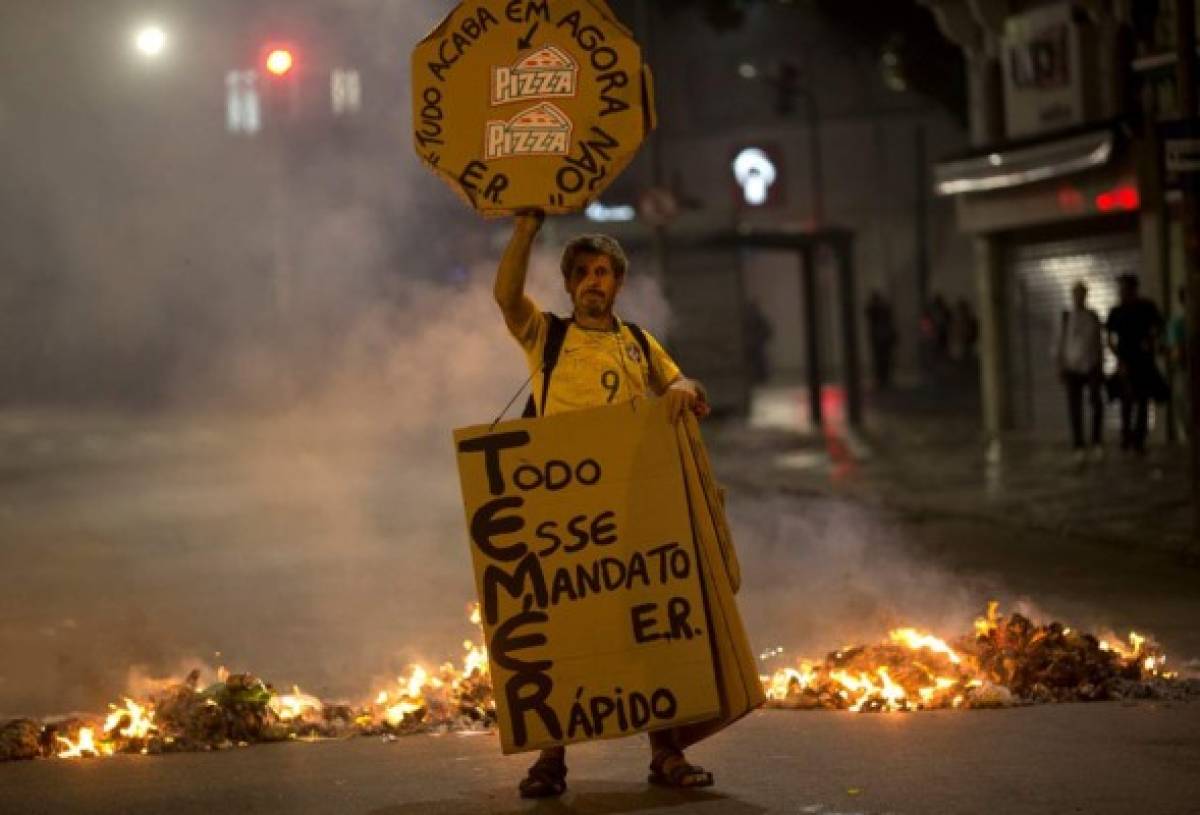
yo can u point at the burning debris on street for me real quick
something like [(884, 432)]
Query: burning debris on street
[(1007, 660), (239, 709)]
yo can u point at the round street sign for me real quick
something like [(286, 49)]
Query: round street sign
[(522, 104)]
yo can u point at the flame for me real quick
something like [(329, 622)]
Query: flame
[(476, 660), (440, 692), (910, 669), (1142, 650), (787, 680), (450, 695), (1137, 641), (876, 688), (83, 747), (990, 622), (886, 695), (915, 640), (914, 669), (133, 721), (395, 714), (295, 705)]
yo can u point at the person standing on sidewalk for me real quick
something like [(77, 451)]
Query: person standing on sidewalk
[(1134, 326), (1081, 367), (1177, 357), (604, 361), (881, 328)]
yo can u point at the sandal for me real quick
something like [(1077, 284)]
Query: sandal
[(547, 778), (669, 768)]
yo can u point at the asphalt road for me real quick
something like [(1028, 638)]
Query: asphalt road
[(331, 559), (1095, 759)]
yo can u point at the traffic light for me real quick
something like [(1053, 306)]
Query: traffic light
[(280, 61)]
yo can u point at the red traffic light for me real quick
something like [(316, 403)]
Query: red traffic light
[(280, 61)]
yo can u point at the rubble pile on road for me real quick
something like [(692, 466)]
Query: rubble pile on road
[(242, 709), (1055, 663), (1007, 660), (239, 709)]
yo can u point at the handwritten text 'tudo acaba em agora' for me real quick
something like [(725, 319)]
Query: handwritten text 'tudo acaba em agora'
[(584, 167), (517, 569)]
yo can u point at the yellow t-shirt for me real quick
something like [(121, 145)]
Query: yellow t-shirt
[(594, 367)]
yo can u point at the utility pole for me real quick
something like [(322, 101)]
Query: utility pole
[(921, 217), (659, 244), (815, 160), (789, 85), (1185, 66)]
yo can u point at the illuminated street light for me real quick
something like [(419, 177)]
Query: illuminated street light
[(755, 173), (280, 61), (150, 41)]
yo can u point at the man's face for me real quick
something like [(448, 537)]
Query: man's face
[(593, 285), (1079, 295), (1128, 291)]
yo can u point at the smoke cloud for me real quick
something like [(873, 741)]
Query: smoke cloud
[(255, 355), (822, 573), (232, 364)]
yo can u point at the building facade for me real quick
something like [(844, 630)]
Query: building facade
[(1063, 181), (834, 146)]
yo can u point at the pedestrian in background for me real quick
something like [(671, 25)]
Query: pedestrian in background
[(964, 331), (881, 329), (1134, 326), (939, 319), (1177, 356), (758, 333), (1081, 368)]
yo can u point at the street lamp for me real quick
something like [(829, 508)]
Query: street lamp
[(150, 41)]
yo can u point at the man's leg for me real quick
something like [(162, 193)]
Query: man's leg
[(1126, 418), (663, 740), (1143, 423), (1074, 385), (547, 778), (1095, 386), (669, 766)]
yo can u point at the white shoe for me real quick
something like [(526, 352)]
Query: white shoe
[(1097, 454)]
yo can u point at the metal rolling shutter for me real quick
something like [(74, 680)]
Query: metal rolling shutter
[(1040, 276), (704, 287)]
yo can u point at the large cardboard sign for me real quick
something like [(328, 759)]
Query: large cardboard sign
[(529, 103), (588, 576)]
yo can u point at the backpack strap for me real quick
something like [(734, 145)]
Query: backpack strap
[(640, 336), (556, 333)]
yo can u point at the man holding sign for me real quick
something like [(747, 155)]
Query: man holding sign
[(589, 360)]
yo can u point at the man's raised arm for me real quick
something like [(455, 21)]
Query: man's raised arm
[(510, 277)]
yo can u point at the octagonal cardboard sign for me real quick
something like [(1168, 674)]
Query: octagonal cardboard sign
[(521, 104)]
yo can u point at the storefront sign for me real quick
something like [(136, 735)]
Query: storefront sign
[(1044, 76)]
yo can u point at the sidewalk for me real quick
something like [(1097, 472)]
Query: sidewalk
[(922, 454)]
